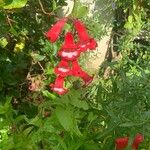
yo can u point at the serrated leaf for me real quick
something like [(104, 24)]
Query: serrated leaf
[(16, 4)]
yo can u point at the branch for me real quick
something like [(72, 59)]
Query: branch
[(43, 10)]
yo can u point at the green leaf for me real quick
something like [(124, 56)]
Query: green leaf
[(91, 116), (130, 19), (16, 4), (54, 5), (1, 3), (3, 42), (6, 108), (2, 110), (128, 124), (48, 127), (34, 121), (79, 10), (80, 104), (49, 95), (37, 57), (91, 146), (128, 25), (65, 118)]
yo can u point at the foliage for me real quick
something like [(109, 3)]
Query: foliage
[(116, 105)]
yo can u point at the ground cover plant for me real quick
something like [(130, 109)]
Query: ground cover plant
[(111, 113)]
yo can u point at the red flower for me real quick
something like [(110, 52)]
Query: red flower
[(139, 138), (63, 68), (85, 41), (55, 30), (58, 86), (69, 49), (78, 72), (121, 143)]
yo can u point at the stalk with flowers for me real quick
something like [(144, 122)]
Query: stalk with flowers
[(69, 53)]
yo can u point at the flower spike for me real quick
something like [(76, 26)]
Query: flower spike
[(55, 30)]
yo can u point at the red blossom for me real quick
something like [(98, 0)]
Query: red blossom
[(85, 41), (57, 87), (55, 30), (63, 68), (78, 72), (69, 53), (69, 50), (121, 143), (139, 138)]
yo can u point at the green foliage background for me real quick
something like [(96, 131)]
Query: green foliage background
[(115, 105)]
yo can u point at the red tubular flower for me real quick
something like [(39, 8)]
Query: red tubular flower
[(69, 49), (78, 72), (139, 138), (121, 143), (55, 30), (85, 41), (63, 68), (57, 87)]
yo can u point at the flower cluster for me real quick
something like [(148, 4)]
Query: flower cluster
[(69, 53), (122, 143)]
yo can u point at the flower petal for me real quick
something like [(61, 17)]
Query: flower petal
[(55, 30)]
